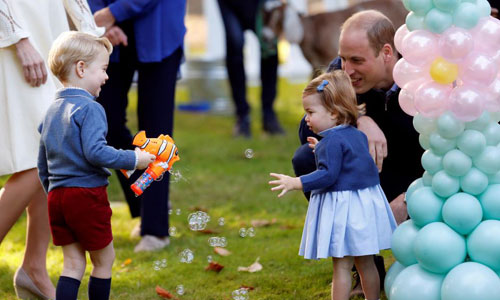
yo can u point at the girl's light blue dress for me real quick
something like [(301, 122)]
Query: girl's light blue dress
[(347, 223)]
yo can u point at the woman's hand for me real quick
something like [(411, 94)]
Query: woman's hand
[(104, 18), (116, 36), (285, 183), (35, 72)]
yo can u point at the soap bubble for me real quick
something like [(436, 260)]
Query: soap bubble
[(180, 289), (186, 256), (243, 232), (240, 294), (249, 153), (198, 220)]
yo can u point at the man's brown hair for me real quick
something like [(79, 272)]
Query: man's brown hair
[(379, 29)]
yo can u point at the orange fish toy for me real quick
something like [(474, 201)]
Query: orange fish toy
[(166, 152)]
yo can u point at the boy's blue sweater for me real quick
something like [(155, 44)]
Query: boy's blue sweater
[(343, 162), (73, 148)]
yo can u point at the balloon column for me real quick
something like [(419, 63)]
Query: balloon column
[(450, 248)]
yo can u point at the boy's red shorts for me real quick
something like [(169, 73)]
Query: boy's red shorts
[(80, 215)]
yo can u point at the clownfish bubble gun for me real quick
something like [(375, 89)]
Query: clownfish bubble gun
[(163, 147)]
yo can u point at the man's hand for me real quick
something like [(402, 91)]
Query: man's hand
[(33, 64), (398, 207), (285, 183), (104, 18), (377, 142), (494, 12), (116, 36)]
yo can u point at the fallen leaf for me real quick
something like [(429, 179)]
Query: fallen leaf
[(198, 208), (126, 262), (164, 293), (214, 266), (255, 267), (263, 223), (208, 231), (287, 227), (222, 251), (248, 288)]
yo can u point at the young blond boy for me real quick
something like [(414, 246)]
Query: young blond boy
[(73, 161)]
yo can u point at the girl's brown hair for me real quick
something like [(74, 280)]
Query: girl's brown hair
[(337, 96)]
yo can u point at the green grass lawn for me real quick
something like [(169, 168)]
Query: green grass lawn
[(218, 178)]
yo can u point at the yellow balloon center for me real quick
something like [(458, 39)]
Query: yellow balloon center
[(443, 71)]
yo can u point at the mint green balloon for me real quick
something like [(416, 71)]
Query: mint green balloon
[(466, 15), (441, 145), (402, 243), (415, 22), (471, 142), (424, 206), (406, 4), (423, 140), (416, 283), (482, 122), (492, 134), (495, 116), (494, 178), (456, 163), (416, 184), (488, 161), (484, 8), (391, 275), (448, 126), (483, 244), (470, 281), (490, 201), (424, 125), (474, 182), (462, 212), (438, 248), (427, 179), (431, 162), (437, 20), (445, 185), (420, 7), (446, 5)]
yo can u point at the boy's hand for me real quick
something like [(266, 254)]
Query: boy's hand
[(285, 183), (143, 158), (312, 142)]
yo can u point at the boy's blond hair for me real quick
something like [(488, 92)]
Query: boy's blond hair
[(71, 47), (338, 95)]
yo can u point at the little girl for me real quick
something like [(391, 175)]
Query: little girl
[(349, 218)]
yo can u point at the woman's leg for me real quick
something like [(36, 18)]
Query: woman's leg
[(341, 277), (368, 273), (23, 190)]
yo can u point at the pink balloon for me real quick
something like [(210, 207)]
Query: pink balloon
[(466, 103), (405, 72), (492, 96), (478, 68), (431, 99), (401, 33), (407, 95), (420, 47), (455, 44), (486, 35)]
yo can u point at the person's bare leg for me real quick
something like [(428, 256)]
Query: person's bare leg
[(341, 277), (368, 273), (102, 261), (23, 190), (37, 242)]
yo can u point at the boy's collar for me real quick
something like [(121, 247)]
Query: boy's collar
[(74, 91)]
